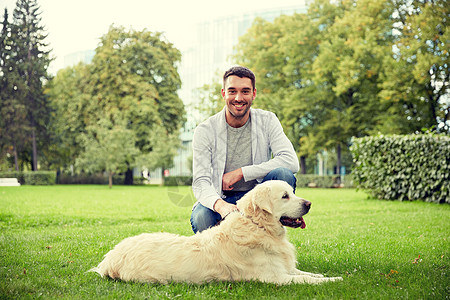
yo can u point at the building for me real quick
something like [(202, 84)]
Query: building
[(213, 44), (77, 57)]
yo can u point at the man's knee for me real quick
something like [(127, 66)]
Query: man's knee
[(203, 218), (282, 174)]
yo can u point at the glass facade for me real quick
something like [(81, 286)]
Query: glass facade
[(210, 54), (77, 57)]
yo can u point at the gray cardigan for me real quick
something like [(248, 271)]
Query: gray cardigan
[(209, 153)]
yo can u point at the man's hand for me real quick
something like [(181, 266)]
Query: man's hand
[(224, 208), (231, 178)]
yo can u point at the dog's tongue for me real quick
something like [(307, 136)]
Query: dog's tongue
[(303, 224), (294, 223)]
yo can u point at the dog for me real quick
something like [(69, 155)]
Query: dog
[(248, 245)]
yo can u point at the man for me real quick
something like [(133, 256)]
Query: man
[(232, 151)]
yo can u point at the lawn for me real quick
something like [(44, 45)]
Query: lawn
[(51, 235)]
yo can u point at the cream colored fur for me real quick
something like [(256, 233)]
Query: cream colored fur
[(250, 245)]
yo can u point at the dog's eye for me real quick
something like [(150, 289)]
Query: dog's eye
[(285, 196)]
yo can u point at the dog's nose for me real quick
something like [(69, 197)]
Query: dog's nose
[(307, 205)]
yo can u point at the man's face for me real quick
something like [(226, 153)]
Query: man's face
[(238, 94)]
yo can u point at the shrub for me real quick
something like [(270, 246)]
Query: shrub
[(32, 178), (89, 179), (410, 167), (40, 178), (177, 180)]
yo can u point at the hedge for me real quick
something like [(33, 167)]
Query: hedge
[(118, 179), (89, 179), (51, 177), (409, 167), (177, 180), (32, 178)]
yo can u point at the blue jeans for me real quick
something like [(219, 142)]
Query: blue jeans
[(202, 217)]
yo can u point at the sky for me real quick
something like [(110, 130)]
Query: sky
[(77, 25)]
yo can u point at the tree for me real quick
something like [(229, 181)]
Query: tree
[(108, 147), (32, 61), (69, 116), (416, 83), (13, 125), (210, 100), (135, 73), (24, 70), (320, 71), (348, 69), (280, 54), (131, 84)]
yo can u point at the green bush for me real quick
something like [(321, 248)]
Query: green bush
[(40, 178), (32, 178), (177, 180), (327, 181), (139, 180), (90, 179), (410, 167), (82, 179)]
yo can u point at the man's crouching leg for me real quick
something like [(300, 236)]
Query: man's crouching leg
[(203, 218), (282, 174)]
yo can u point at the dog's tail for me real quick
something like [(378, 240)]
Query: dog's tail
[(103, 268), (106, 268), (96, 270)]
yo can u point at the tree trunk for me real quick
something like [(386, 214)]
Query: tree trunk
[(162, 175), (58, 176), (110, 179), (433, 101), (128, 177), (16, 159), (303, 164), (33, 141), (33, 106), (338, 163)]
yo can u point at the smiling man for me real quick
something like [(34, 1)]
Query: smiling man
[(236, 149)]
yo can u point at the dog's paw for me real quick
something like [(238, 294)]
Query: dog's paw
[(319, 280), (298, 272), (335, 278)]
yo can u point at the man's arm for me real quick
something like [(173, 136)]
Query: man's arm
[(230, 178), (283, 152), (224, 208), (202, 183)]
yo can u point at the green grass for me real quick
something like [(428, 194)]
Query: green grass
[(50, 237)]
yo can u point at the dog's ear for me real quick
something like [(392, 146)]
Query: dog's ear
[(261, 199)]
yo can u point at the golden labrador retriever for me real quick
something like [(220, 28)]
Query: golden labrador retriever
[(247, 245)]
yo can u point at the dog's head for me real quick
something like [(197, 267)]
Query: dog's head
[(274, 201)]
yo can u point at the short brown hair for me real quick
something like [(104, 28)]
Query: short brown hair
[(240, 72)]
